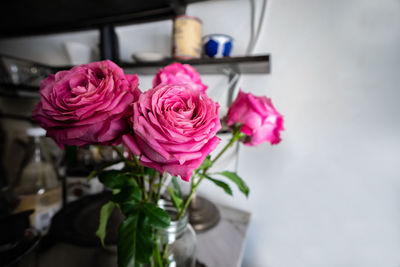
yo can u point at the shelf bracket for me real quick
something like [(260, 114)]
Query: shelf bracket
[(233, 74)]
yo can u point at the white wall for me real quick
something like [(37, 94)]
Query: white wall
[(328, 195)]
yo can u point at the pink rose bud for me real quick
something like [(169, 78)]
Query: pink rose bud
[(87, 104), (258, 118), (174, 129), (178, 73)]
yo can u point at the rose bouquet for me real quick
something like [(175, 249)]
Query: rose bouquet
[(169, 129)]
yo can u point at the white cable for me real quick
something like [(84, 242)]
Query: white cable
[(252, 25), (259, 26)]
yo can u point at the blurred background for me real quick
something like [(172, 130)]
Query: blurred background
[(328, 194)]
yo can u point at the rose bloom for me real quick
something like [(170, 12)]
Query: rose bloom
[(174, 129), (179, 73), (87, 104), (258, 118)]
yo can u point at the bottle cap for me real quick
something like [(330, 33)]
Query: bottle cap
[(36, 131)]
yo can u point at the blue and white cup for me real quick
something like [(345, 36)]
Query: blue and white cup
[(217, 45)]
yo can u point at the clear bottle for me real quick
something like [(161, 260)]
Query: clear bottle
[(38, 187)]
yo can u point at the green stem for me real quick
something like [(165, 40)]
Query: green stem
[(151, 187), (119, 152), (162, 180), (165, 250), (137, 162), (143, 182), (192, 180), (156, 252), (144, 188), (236, 136), (188, 199), (199, 181)]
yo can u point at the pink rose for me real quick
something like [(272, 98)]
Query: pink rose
[(260, 121), (178, 73), (174, 129), (87, 104)]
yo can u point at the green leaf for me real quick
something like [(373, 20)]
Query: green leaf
[(127, 194), (105, 213), (206, 163), (116, 191), (237, 180), (144, 247), (176, 186), (158, 218), (116, 179), (135, 240), (91, 175), (219, 183), (129, 207), (176, 201), (126, 243)]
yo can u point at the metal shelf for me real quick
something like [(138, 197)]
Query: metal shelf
[(245, 65)]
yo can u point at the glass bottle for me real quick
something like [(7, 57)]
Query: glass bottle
[(38, 187)]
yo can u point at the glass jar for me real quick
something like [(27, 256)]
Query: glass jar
[(179, 238)]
